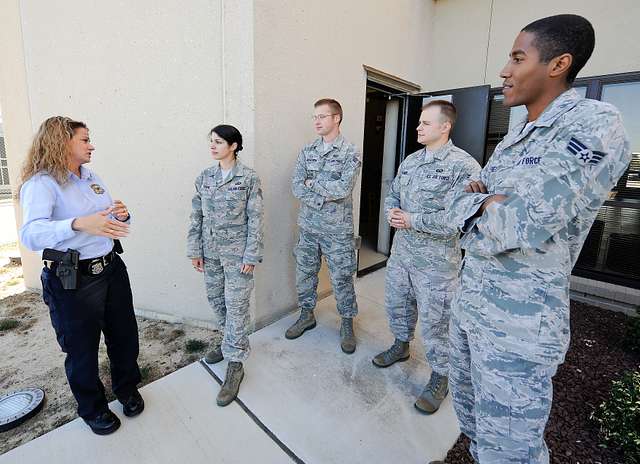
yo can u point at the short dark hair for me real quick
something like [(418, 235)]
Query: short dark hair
[(447, 110), (336, 108), (565, 33), (230, 135)]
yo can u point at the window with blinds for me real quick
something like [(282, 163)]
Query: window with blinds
[(5, 188)]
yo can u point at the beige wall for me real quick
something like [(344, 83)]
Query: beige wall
[(151, 78), (305, 51), (472, 38), (148, 78)]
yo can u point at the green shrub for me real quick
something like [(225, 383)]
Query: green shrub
[(194, 345), (8, 324), (631, 340), (619, 417)]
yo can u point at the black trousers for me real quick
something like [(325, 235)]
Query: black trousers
[(104, 304)]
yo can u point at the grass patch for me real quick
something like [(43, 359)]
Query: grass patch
[(194, 345), (8, 324), (19, 311), (145, 373), (175, 334), (14, 281)]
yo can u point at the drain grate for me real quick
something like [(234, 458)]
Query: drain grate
[(17, 407)]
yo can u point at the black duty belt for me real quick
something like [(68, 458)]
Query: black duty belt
[(93, 266)]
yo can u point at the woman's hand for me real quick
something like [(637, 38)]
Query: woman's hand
[(247, 268), (198, 264), (100, 224), (120, 211)]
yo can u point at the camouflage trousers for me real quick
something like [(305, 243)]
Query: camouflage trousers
[(341, 259), (502, 400), (414, 289), (228, 292)]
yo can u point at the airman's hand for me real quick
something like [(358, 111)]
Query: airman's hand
[(399, 219), (475, 186), (198, 264), (247, 268)]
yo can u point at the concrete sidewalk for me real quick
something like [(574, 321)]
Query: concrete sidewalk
[(301, 401), (181, 424)]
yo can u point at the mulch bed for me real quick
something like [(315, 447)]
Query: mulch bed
[(594, 360)]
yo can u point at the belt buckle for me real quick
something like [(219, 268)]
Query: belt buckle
[(96, 266)]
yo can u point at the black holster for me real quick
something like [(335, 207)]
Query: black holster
[(67, 268), (117, 247)]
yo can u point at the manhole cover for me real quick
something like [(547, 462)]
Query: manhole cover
[(17, 407)]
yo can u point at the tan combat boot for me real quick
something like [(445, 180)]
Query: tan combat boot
[(306, 321), (229, 390), (433, 394), (399, 351), (347, 337)]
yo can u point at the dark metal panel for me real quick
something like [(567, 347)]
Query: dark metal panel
[(470, 131)]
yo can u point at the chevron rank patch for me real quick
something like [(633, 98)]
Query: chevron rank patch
[(584, 154)]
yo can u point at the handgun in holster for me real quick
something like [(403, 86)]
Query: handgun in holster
[(68, 266)]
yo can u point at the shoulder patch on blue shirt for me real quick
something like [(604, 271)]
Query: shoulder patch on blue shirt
[(583, 153)]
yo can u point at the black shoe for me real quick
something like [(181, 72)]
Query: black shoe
[(104, 423), (133, 405)]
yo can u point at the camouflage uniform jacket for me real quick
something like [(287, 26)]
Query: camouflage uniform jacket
[(422, 187), (326, 207), (226, 217), (556, 172)]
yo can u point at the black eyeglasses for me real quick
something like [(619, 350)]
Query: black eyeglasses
[(321, 117)]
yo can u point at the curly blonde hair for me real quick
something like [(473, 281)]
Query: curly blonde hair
[(49, 150)]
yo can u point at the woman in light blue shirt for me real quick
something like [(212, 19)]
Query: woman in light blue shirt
[(69, 215)]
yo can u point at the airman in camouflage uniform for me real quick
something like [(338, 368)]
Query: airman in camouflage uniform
[(422, 270), (225, 242), (323, 181), (525, 221), (226, 229)]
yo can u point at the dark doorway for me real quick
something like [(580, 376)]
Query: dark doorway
[(383, 115)]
